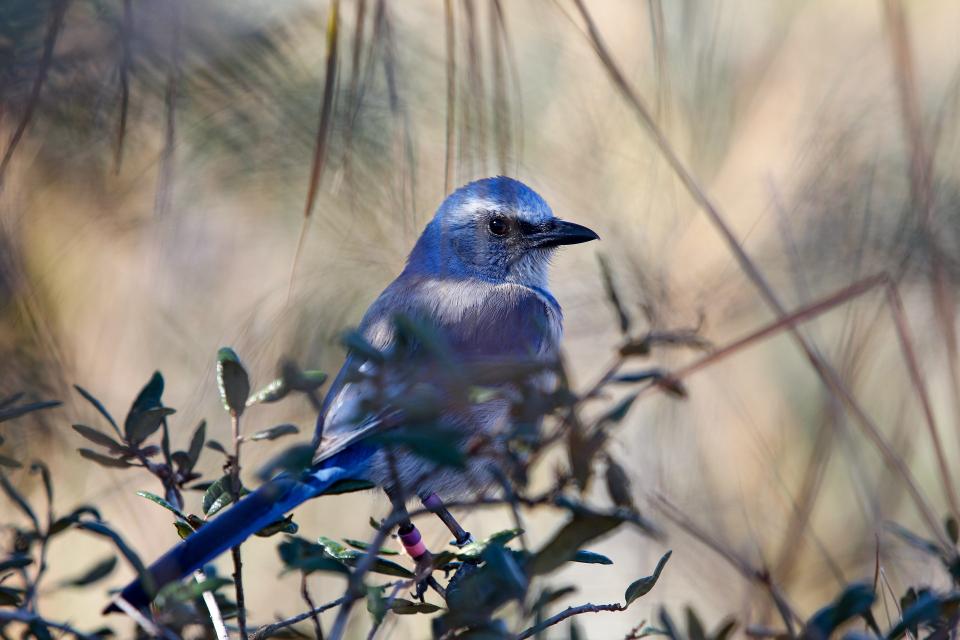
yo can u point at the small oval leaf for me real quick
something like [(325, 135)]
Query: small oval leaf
[(643, 586)]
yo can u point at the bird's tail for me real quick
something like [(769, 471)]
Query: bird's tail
[(252, 513)]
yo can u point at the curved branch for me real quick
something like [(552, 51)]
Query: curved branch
[(568, 613), (267, 629)]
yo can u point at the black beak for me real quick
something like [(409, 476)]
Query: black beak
[(561, 232)]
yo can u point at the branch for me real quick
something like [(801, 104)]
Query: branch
[(266, 630), (568, 613), (305, 592), (235, 552), (216, 617), (154, 630)]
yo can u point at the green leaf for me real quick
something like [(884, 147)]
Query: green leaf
[(97, 572), (99, 438), (233, 381), (89, 397), (101, 459), (276, 390), (148, 399), (219, 495), (312, 379), (196, 445), (473, 598), (388, 568), (274, 432), (376, 604), (589, 557), (582, 528), (474, 550), (337, 550), (152, 497), (301, 555), (16, 561), (351, 557), (643, 586), (141, 425), (365, 546), (184, 530), (283, 525), (408, 607)]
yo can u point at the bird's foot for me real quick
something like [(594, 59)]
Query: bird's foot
[(464, 540)]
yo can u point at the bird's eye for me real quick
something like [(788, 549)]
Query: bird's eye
[(499, 226)]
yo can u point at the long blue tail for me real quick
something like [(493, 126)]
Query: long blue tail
[(252, 513)]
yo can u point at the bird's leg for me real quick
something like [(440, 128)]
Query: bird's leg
[(433, 502), (412, 542)]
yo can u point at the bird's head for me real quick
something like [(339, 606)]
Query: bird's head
[(496, 229)]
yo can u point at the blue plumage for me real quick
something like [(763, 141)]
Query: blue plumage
[(478, 277)]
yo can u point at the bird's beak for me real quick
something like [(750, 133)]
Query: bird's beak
[(561, 232)]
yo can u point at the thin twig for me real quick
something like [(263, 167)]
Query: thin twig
[(266, 630), (567, 613), (235, 551), (210, 600), (323, 134), (145, 623), (314, 617)]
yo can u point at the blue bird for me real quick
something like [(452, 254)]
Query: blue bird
[(478, 276)]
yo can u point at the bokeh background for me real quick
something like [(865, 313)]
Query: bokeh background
[(827, 133)]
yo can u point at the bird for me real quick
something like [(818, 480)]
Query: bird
[(478, 277)]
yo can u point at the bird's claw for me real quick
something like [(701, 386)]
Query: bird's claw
[(463, 541)]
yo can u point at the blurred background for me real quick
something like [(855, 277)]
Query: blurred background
[(158, 162)]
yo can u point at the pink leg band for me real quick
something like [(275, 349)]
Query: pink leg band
[(413, 543)]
